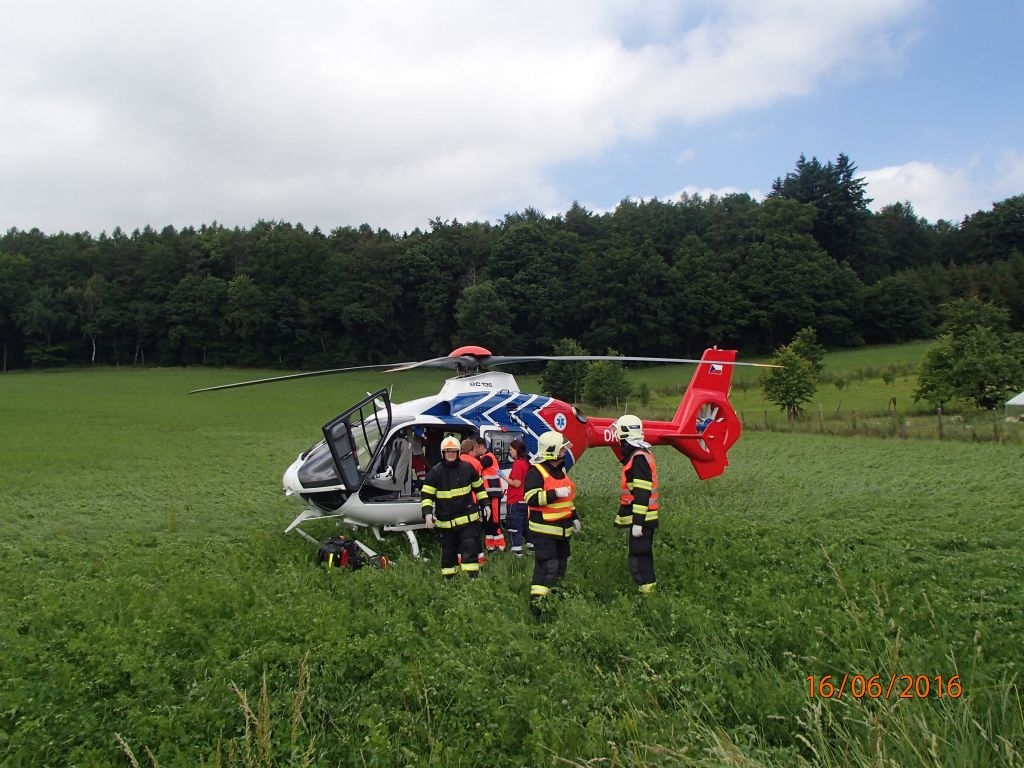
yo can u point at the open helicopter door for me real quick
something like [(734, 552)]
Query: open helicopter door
[(354, 437), (354, 441)]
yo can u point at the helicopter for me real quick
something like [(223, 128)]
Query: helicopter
[(366, 470)]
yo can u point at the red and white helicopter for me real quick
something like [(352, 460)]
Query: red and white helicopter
[(361, 473)]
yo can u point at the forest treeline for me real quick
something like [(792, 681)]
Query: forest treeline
[(658, 278)]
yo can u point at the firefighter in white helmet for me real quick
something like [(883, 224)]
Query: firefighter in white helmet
[(550, 498), (449, 498), (638, 500)]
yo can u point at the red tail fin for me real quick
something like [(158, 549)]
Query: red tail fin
[(705, 426)]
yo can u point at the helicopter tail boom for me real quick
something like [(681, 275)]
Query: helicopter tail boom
[(704, 427)]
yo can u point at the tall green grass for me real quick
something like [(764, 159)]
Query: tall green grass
[(155, 614)]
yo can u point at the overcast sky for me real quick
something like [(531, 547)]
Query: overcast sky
[(337, 113)]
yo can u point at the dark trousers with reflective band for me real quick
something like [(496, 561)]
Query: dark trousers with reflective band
[(551, 558), (517, 524), (465, 541), (641, 556)]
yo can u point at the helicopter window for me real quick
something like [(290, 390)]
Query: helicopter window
[(367, 434), (498, 443)]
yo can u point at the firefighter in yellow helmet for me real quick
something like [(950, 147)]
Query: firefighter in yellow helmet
[(550, 499), (449, 502), (638, 501)]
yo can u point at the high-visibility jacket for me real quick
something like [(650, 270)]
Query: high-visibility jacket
[(550, 515), (489, 474), (474, 462), (638, 498), (449, 493)]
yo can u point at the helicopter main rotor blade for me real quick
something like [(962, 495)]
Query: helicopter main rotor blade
[(497, 360), (306, 375), (472, 363), (453, 362)]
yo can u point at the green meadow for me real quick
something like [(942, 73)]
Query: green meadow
[(154, 614)]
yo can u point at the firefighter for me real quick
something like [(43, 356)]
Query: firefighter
[(549, 497), (638, 501), (449, 502), (468, 448), (494, 537)]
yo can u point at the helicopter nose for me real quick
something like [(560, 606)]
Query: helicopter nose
[(290, 481)]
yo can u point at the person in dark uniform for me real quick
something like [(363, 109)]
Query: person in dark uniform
[(449, 502), (550, 500), (638, 500)]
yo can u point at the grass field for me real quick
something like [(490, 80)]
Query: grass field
[(151, 603)]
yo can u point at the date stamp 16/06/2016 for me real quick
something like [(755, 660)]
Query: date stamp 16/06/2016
[(884, 686)]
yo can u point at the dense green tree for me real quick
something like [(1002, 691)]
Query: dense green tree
[(897, 309), (565, 380), (805, 343), (976, 359), (791, 283), (15, 273), (605, 383), (196, 316), (44, 318), (994, 235), (899, 240), (962, 315), (791, 384), (249, 319), (651, 277), (535, 262), (980, 366), (482, 317), (101, 310), (704, 304), (838, 196)]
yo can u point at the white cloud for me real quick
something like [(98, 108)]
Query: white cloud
[(390, 112), (947, 193)]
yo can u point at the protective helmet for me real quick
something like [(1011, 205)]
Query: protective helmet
[(549, 444), (449, 444), (630, 429)]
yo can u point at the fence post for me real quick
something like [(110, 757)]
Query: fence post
[(821, 419), (995, 426), (938, 414)]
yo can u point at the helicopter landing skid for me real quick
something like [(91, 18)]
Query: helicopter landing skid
[(410, 534), (313, 514)]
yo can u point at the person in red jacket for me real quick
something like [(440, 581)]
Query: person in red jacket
[(514, 504), (638, 500), (494, 537)]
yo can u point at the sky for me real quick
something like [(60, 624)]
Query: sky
[(333, 113)]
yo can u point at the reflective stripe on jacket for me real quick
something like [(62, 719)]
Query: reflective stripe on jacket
[(449, 493), (490, 476)]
